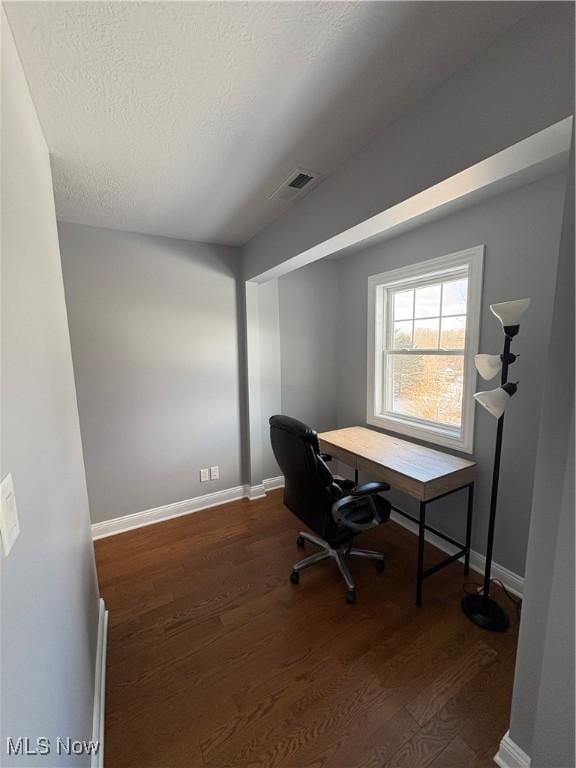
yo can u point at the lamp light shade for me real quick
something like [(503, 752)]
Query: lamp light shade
[(510, 312), (496, 400), (488, 366)]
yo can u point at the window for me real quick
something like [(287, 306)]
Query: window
[(423, 325)]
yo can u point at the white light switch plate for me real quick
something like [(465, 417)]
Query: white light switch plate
[(9, 524), (214, 473), (204, 475)]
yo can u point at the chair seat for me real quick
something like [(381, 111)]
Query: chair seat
[(334, 510)]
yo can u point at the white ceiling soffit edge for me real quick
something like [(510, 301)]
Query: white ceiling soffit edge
[(537, 156)]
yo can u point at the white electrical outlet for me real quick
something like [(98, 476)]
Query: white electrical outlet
[(204, 475), (9, 524), (214, 473)]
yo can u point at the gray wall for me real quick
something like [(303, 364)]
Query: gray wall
[(48, 588), (298, 353), (519, 85), (309, 311), (521, 231), (323, 322), (542, 720), (155, 342), (270, 371)]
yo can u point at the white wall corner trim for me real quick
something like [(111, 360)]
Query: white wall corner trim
[(256, 492), (97, 758), (510, 755), (185, 507), (512, 581)]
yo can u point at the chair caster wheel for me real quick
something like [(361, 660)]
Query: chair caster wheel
[(380, 565), (300, 542), (351, 596), (295, 577)]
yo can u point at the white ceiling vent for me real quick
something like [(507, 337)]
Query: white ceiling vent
[(296, 185)]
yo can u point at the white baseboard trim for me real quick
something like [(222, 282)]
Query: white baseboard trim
[(97, 758), (272, 483), (511, 581), (186, 507), (167, 512), (510, 755)]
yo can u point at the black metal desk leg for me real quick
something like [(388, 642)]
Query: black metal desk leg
[(469, 528), (420, 571)]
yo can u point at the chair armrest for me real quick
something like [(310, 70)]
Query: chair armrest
[(325, 457), (350, 503), (369, 489)]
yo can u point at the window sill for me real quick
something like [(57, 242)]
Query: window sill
[(435, 436)]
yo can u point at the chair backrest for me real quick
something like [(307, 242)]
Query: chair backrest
[(309, 489)]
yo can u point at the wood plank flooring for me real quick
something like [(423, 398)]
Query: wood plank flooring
[(215, 659)]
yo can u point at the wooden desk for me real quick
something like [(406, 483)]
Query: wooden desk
[(420, 472)]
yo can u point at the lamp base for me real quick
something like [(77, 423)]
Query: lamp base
[(485, 613)]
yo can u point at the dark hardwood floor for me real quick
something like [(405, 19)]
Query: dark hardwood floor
[(215, 659)]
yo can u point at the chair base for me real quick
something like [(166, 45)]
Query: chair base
[(338, 555)]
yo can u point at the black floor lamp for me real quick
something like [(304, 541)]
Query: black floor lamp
[(480, 608)]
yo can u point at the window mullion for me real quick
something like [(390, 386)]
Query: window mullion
[(416, 352)]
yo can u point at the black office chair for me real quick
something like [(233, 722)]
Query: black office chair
[(336, 511)]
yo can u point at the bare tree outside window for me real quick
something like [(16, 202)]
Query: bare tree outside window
[(424, 353), (423, 333)]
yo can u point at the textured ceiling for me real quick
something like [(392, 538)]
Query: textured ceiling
[(181, 118)]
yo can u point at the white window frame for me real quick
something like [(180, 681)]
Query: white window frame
[(470, 260)]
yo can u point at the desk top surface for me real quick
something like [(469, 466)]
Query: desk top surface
[(417, 462)]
